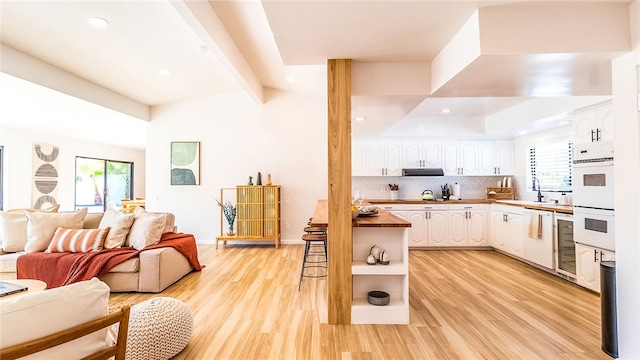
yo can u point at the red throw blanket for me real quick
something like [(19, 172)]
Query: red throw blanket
[(58, 269)]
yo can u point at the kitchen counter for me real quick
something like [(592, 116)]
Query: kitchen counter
[(567, 209), (420, 201), (383, 219)]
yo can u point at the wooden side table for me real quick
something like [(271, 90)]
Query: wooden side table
[(33, 286)]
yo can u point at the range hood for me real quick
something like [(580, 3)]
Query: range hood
[(423, 172)]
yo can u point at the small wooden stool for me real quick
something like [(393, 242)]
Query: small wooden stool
[(314, 240)]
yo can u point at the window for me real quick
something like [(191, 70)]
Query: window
[(100, 181), (549, 163)]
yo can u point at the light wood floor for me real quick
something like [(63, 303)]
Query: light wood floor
[(464, 305)]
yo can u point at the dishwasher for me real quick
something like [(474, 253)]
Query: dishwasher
[(538, 246)]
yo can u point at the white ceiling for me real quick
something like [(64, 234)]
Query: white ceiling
[(232, 45)]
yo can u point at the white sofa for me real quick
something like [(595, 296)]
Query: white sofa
[(152, 271), (33, 315)]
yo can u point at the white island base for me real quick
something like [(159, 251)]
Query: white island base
[(392, 278)]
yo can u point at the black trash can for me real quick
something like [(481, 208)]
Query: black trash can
[(608, 312)]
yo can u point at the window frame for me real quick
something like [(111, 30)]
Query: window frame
[(531, 173), (104, 191)]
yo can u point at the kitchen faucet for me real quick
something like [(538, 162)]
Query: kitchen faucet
[(534, 187)]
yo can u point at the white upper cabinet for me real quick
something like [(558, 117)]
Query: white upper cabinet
[(468, 157), (496, 157), (593, 124), (460, 157), (421, 154), (505, 159), (376, 158)]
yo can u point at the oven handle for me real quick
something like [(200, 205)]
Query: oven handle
[(584, 165)]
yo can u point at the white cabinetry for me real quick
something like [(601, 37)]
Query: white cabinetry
[(539, 248), (495, 157), (428, 225), (467, 225), (421, 154), (460, 157), (507, 229), (376, 158), (395, 209), (392, 278), (593, 124), (588, 261)]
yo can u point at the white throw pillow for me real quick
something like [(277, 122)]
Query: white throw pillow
[(13, 231), (120, 224), (30, 316), (147, 229), (42, 226)]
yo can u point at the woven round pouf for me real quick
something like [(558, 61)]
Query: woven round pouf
[(159, 328)]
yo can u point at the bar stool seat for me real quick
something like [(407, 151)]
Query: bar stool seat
[(314, 257), (315, 230)]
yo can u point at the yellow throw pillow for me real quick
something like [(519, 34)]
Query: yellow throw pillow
[(78, 240)]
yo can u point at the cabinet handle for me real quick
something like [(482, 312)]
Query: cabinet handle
[(598, 132), (595, 255), (601, 255), (592, 133), (499, 170)]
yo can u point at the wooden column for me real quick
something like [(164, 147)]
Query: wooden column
[(340, 240)]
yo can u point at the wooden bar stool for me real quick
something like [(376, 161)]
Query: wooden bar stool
[(314, 257)]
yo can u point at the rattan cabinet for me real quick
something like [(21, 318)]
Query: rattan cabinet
[(257, 214)]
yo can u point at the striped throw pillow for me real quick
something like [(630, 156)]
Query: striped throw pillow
[(78, 240)]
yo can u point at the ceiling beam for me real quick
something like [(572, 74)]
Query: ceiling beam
[(203, 20), (23, 66)]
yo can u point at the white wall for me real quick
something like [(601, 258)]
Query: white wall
[(286, 137), (18, 147), (627, 182)]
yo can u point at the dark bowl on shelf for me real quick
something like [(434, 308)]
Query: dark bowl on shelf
[(378, 298)]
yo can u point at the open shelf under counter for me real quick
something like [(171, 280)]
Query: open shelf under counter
[(364, 313), (362, 268), (397, 312)]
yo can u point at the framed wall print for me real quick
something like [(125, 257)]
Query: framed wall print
[(185, 163)]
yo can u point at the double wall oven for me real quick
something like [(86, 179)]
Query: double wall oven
[(593, 195)]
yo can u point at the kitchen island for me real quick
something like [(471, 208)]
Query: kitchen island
[(389, 232)]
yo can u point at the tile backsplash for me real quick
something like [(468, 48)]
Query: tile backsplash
[(411, 188)]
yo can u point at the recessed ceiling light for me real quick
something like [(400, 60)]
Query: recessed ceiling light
[(360, 118), (291, 79), (203, 49), (165, 72), (445, 111), (98, 22)]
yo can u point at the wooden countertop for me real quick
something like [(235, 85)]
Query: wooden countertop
[(384, 219), (567, 209), (420, 201)]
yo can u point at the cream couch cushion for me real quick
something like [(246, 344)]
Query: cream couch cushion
[(147, 229), (13, 231), (30, 316), (42, 226), (8, 262), (120, 224)]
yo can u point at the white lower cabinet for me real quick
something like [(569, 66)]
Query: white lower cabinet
[(507, 229), (588, 259), (467, 225), (429, 225), (439, 225)]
